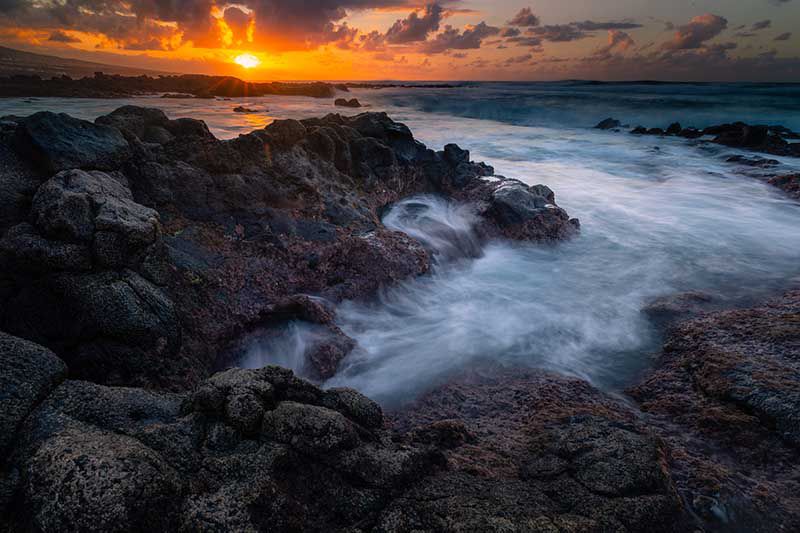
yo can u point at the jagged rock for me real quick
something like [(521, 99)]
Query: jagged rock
[(220, 233), (344, 102), (726, 397), (57, 142), (23, 249), (608, 124), (527, 212), (674, 128), (639, 130), (250, 450), (95, 208)]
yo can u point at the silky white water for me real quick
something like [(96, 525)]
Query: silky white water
[(658, 215)]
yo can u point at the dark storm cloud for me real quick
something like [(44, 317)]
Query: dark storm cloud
[(524, 18), (416, 27), (761, 25), (509, 32), (559, 33), (279, 24), (694, 34), (453, 39), (238, 21), (589, 25), (784, 36)]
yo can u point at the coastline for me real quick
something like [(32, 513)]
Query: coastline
[(163, 246)]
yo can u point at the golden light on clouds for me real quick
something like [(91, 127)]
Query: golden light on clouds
[(247, 61)]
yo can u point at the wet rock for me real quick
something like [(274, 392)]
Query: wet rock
[(655, 131), (542, 450), (343, 102), (527, 212), (671, 308), (752, 161), (218, 234), (242, 109), (790, 184), (639, 130), (690, 133), (59, 142), (608, 124), (674, 128), (725, 396)]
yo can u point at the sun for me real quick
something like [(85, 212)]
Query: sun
[(247, 60)]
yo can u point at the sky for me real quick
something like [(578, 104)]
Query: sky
[(676, 40)]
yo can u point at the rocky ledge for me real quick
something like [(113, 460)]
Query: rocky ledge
[(261, 450), (142, 249), (775, 140), (725, 397)]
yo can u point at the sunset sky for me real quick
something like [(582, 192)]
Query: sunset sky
[(756, 40)]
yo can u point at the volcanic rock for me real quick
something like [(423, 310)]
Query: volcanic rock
[(725, 396)]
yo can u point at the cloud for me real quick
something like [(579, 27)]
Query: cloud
[(559, 33), (784, 36), (694, 34), (516, 60), (415, 27), (589, 25), (525, 41), (524, 18), (509, 32), (62, 37), (618, 41), (452, 39), (761, 25), (239, 22)]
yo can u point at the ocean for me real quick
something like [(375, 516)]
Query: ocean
[(658, 215)]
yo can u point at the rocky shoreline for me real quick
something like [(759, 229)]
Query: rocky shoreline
[(137, 253)]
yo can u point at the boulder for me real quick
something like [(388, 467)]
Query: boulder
[(28, 373), (250, 450), (608, 124), (343, 102), (96, 209), (674, 128), (59, 142)]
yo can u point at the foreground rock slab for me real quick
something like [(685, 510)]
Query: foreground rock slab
[(261, 450), (532, 451), (726, 397)]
